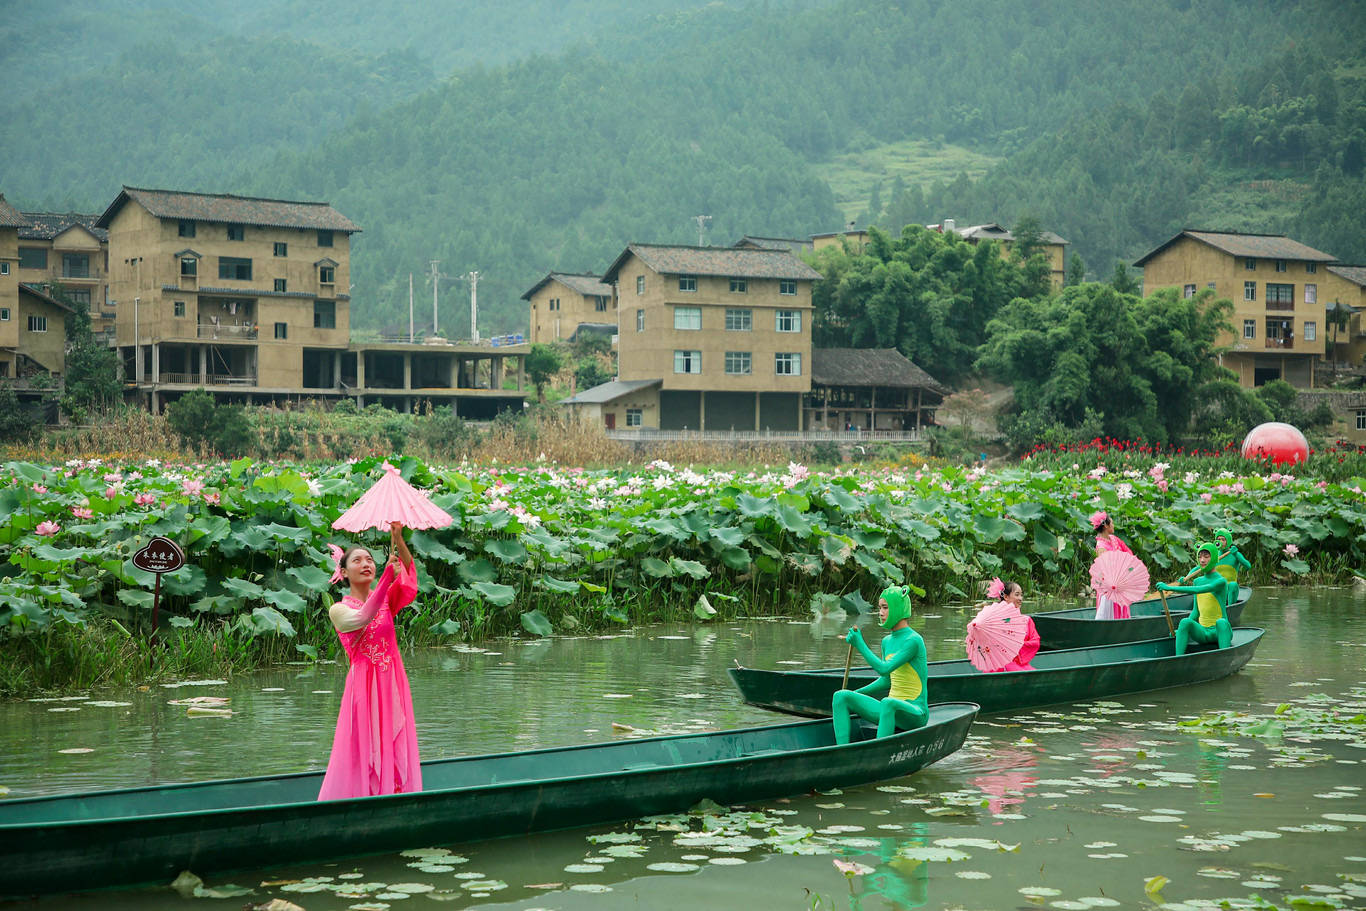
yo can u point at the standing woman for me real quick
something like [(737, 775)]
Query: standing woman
[(1107, 540), (375, 748)]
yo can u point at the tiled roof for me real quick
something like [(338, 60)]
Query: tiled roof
[(41, 293), (583, 283), (47, 225), (869, 367), (609, 392), (224, 208), (1354, 274), (9, 216), (794, 244), (1258, 246), (994, 231), (738, 262)]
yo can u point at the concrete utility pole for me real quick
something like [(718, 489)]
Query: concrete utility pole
[(410, 308), (702, 221), (436, 283), (473, 278)]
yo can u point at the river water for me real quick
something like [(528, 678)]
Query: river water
[(1077, 806)]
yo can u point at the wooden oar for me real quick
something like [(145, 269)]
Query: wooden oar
[(848, 659), (1171, 630)]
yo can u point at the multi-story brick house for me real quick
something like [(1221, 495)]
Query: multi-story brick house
[(1344, 291), (1274, 282), (709, 338), (565, 303), (10, 223), (250, 298), (1053, 247), (67, 250)]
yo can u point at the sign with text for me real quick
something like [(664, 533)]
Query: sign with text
[(161, 555)]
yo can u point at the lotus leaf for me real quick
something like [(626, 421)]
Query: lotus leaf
[(536, 623), (736, 558), (509, 551), (494, 593), (479, 570)]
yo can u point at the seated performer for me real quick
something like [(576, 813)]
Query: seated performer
[(1207, 622), (1012, 592), (1231, 562), (902, 674)]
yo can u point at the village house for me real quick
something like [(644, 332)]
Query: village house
[(870, 389), (564, 304), (250, 298), (1053, 247), (68, 252), (1274, 283)]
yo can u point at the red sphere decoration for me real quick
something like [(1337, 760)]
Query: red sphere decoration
[(1283, 444)]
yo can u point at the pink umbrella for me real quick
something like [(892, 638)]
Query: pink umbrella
[(392, 499), (995, 636), (1121, 576)]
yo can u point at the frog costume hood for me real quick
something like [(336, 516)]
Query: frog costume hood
[(1207, 547), (898, 600), (1225, 534)]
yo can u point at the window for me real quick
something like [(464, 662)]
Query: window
[(280, 284), (37, 324), (179, 308), (79, 296), (687, 362), (234, 268), (1209, 285), (1188, 291), (687, 283), (186, 228), (788, 321), (32, 258), (324, 238), (1279, 333), (687, 317), (1249, 291), (1311, 330), (4, 268), (739, 320), (1361, 420), (787, 363), (281, 249), (640, 284), (189, 267), (282, 330), (4, 314), (1311, 294), (633, 417), (1249, 328), (237, 232), (553, 304), (739, 286), (787, 286), (600, 304), (1280, 265), (1280, 297), (324, 315), (737, 363), (1311, 268), (75, 265), (640, 320), (1250, 264), (327, 275)]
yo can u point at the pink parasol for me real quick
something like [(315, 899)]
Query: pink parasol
[(392, 499), (995, 636), (1120, 575)]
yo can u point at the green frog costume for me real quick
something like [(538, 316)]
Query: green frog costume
[(1231, 562), (899, 696), (1207, 621)]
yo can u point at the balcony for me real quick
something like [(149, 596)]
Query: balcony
[(1283, 342), (232, 333), (212, 379)]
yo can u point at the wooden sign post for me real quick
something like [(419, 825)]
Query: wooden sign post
[(161, 555)]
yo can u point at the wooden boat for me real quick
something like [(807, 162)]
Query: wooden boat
[(1079, 628), (150, 834), (1065, 675)]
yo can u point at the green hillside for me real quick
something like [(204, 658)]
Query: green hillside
[(854, 176)]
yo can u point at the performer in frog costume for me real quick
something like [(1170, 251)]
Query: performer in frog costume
[(1207, 622), (899, 696), (1228, 564)]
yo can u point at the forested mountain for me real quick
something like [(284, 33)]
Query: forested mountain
[(1116, 123)]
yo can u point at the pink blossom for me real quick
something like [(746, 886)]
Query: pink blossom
[(113, 477), (1223, 488), (135, 476), (1206, 497), (111, 492), (82, 512), (47, 529), (1322, 485), (39, 488), (1291, 550), (145, 499), (192, 487), (211, 498), (851, 869), (1238, 487), (1162, 484)]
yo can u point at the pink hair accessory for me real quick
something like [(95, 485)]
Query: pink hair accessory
[(337, 555), (1098, 519), (995, 588)]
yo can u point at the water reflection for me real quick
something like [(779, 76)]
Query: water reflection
[(897, 882)]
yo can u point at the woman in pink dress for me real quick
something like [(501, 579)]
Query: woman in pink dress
[(375, 748), (1107, 540), (1011, 592)]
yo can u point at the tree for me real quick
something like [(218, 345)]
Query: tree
[(542, 363), (1076, 270), (1123, 281), (92, 369), (199, 421)]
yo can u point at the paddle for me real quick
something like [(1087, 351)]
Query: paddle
[(848, 659), (1171, 630)]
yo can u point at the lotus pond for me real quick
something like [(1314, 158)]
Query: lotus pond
[(548, 549), (1243, 793)]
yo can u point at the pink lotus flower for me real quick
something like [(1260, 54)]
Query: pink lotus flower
[(851, 869), (82, 512), (113, 477), (39, 488), (191, 487), (1162, 484), (111, 492), (47, 529), (145, 499), (211, 498), (1291, 550), (1322, 485), (1206, 497)]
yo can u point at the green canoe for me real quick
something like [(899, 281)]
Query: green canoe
[(1079, 628), (1066, 675), (149, 835)]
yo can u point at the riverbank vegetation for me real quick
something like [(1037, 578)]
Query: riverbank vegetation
[(541, 550)]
